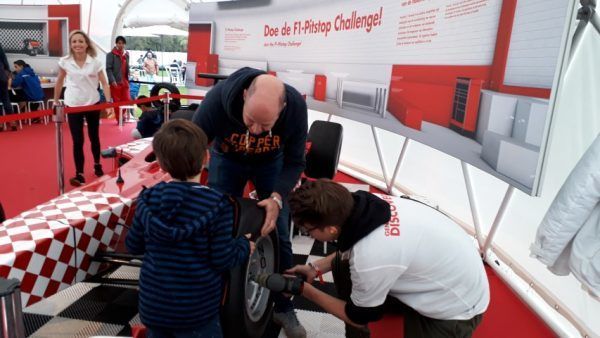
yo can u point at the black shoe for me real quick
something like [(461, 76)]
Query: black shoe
[(77, 181), (98, 170), (14, 126)]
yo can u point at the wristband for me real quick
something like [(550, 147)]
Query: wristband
[(318, 271), (278, 201)]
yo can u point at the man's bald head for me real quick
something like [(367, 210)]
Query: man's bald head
[(263, 101)]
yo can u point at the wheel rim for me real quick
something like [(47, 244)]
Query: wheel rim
[(261, 261)]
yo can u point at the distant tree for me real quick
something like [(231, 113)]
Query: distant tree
[(166, 44)]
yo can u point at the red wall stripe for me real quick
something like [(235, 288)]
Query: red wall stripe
[(199, 40), (73, 12), (54, 38), (55, 33), (543, 93), (505, 25)]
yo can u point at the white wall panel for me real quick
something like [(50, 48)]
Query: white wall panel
[(535, 42), (467, 39)]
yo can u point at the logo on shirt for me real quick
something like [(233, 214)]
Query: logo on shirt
[(240, 143), (392, 228)]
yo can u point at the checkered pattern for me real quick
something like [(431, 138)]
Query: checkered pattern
[(88, 308), (133, 148), (51, 246), (12, 34)]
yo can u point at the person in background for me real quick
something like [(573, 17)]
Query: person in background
[(184, 230), (134, 86), (26, 79), (117, 70), (393, 253), (150, 67), (149, 122), (4, 98), (83, 73)]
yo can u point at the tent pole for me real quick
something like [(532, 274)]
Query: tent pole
[(390, 189), (473, 204), (90, 16), (380, 155), (498, 220)]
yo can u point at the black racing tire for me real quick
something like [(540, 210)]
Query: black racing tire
[(325, 140), (247, 307), (162, 87)]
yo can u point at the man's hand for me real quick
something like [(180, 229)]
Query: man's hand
[(272, 211), (304, 270)]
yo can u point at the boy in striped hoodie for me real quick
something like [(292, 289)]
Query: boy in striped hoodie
[(184, 231)]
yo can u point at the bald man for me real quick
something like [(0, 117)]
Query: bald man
[(258, 126)]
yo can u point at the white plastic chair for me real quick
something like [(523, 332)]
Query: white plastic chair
[(18, 110), (129, 110), (40, 104)]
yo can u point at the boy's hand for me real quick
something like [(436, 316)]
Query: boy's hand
[(252, 244), (304, 270)]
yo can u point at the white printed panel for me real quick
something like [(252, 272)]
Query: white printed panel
[(373, 32), (535, 42)]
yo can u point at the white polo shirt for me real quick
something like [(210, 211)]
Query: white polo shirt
[(81, 82), (422, 258)]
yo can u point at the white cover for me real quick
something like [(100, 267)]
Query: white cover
[(422, 258), (568, 239)]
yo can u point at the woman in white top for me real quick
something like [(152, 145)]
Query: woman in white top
[(83, 72)]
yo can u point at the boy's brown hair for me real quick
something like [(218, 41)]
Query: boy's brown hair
[(320, 203), (180, 147)]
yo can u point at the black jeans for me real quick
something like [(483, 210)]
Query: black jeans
[(76, 128), (415, 324), (4, 98)]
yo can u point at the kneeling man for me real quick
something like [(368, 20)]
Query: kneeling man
[(393, 253)]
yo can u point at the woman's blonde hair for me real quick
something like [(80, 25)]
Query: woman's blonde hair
[(91, 50)]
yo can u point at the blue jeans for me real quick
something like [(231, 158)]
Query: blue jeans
[(230, 177), (212, 329)]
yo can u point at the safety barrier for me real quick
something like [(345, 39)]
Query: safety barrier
[(101, 106), (10, 309), (59, 112)]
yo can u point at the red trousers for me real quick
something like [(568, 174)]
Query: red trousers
[(119, 93)]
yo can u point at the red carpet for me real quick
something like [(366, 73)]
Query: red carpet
[(29, 178), (29, 169)]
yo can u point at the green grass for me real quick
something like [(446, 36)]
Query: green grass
[(144, 90)]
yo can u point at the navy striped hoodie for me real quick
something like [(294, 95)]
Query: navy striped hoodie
[(184, 231)]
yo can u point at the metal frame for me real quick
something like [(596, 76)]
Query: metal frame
[(473, 204), (59, 118)]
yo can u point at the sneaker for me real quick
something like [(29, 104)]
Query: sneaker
[(290, 324), (77, 181), (98, 170)]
